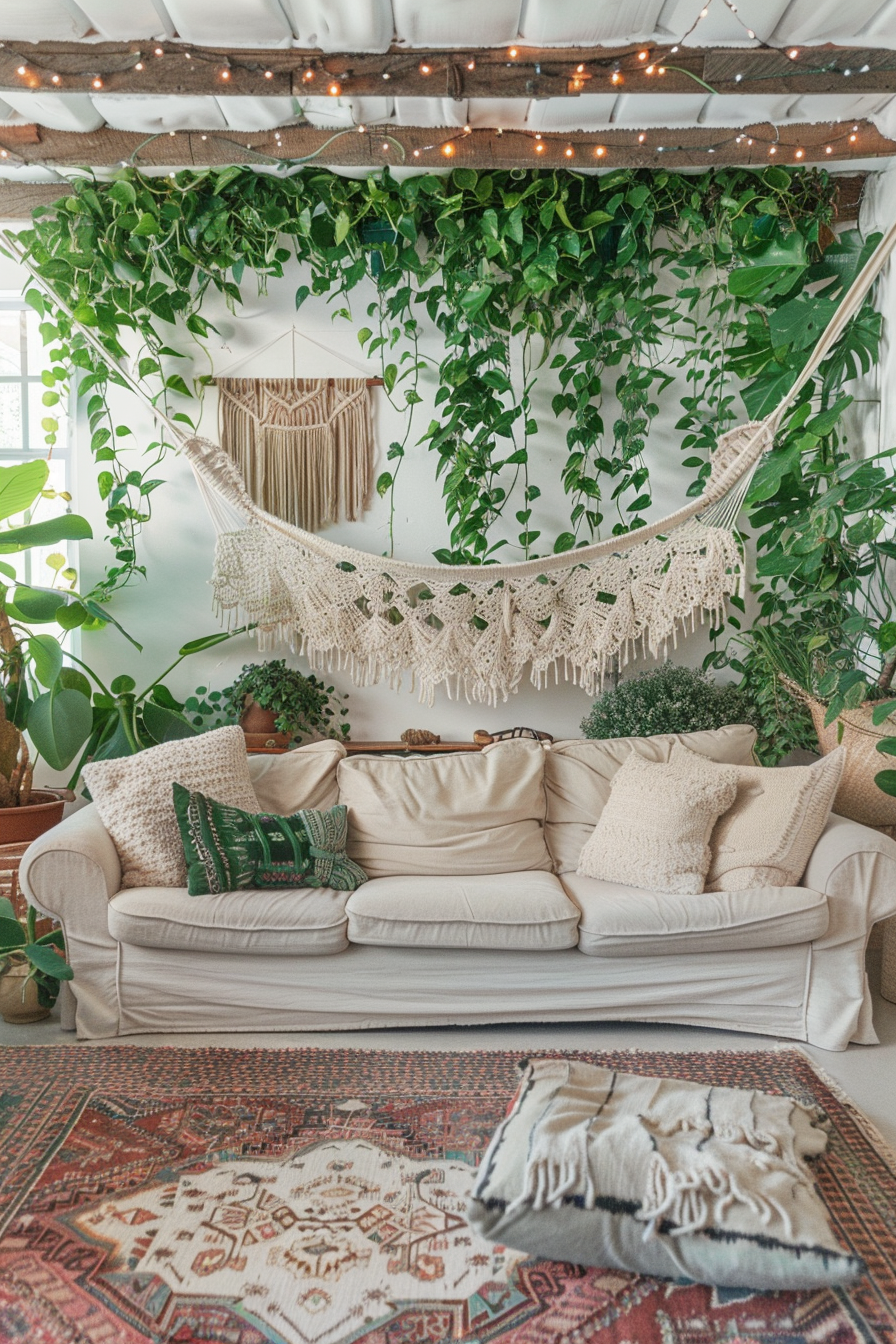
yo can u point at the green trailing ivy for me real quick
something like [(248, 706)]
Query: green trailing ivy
[(592, 280)]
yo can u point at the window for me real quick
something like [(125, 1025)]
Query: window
[(22, 361)]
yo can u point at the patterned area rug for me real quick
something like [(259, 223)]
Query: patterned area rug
[(318, 1197)]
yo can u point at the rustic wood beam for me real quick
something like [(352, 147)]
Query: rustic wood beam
[(693, 147), (508, 72)]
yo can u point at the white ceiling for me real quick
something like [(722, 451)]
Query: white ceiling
[(374, 25)]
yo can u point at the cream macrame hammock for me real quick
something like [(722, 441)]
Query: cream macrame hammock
[(475, 629)]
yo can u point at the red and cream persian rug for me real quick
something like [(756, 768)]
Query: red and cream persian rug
[(318, 1196)]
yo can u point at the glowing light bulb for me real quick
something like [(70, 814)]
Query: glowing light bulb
[(22, 70), (793, 53), (674, 49), (616, 78), (661, 70), (471, 65), (385, 146), (641, 138), (772, 149), (828, 149), (642, 55), (96, 83), (513, 53), (580, 69), (54, 79), (157, 51), (853, 139), (798, 154), (361, 130), (425, 68), (738, 78), (749, 142), (187, 56), (448, 150), (704, 12), (599, 152), (569, 151), (225, 75), (139, 65), (650, 69), (468, 130), (416, 153), (269, 74), (308, 76), (540, 147), (386, 75), (334, 88), (750, 33)]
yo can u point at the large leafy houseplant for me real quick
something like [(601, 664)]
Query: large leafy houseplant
[(669, 699)]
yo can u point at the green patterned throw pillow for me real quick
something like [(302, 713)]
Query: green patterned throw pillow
[(227, 849)]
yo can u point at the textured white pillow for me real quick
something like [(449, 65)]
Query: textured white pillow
[(766, 839), (654, 830), (134, 798), (659, 1176)]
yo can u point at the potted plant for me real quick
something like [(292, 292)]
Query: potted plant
[(31, 966), (837, 654), (668, 699), (276, 704)]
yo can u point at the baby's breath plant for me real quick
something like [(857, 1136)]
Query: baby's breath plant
[(669, 699)]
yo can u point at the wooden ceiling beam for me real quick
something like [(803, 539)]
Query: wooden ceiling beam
[(692, 147), (182, 70)]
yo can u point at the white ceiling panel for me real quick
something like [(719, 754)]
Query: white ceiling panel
[(61, 111), (242, 23), (257, 114), (123, 23), (153, 116), (457, 23), (341, 25), (40, 20), (584, 23), (834, 21), (430, 112), (503, 113)]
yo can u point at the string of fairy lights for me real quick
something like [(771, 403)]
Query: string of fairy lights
[(648, 62)]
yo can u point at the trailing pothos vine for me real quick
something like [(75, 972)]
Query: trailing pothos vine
[(615, 289)]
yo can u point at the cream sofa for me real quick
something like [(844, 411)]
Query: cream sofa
[(473, 912)]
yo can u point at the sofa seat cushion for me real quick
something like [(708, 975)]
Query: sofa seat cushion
[(459, 814), (307, 921), (622, 921), (507, 911)]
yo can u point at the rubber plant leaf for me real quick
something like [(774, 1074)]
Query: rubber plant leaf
[(59, 723), (44, 959)]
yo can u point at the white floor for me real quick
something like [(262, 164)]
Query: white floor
[(865, 1073)]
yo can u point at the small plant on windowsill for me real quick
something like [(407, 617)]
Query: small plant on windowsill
[(299, 705)]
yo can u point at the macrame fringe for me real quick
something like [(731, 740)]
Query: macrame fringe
[(304, 447)]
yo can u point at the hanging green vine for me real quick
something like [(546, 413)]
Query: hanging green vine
[(604, 285)]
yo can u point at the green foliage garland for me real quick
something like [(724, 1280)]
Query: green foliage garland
[(617, 268)]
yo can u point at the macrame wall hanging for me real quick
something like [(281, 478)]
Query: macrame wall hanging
[(303, 446)]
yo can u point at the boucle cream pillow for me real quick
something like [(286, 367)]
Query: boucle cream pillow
[(133, 795), (766, 839), (654, 830)]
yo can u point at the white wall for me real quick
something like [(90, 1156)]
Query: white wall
[(173, 604)]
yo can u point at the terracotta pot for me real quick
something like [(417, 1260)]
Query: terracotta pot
[(256, 720), (15, 1006), (20, 825)]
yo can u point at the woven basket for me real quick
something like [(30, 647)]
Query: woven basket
[(858, 797)]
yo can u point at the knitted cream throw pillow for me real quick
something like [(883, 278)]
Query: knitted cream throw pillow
[(766, 839), (133, 795), (654, 831)]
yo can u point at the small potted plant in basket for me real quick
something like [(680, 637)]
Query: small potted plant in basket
[(276, 704), (31, 966)]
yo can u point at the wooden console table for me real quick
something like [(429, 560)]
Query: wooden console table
[(380, 748)]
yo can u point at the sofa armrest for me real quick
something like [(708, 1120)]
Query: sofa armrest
[(855, 867), (71, 873), (74, 860)]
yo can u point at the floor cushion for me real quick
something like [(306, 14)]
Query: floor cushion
[(578, 773), (508, 911), (306, 921), (463, 813), (661, 1177), (622, 921)]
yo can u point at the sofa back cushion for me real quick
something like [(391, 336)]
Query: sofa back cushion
[(453, 815), (578, 773), (298, 781)]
